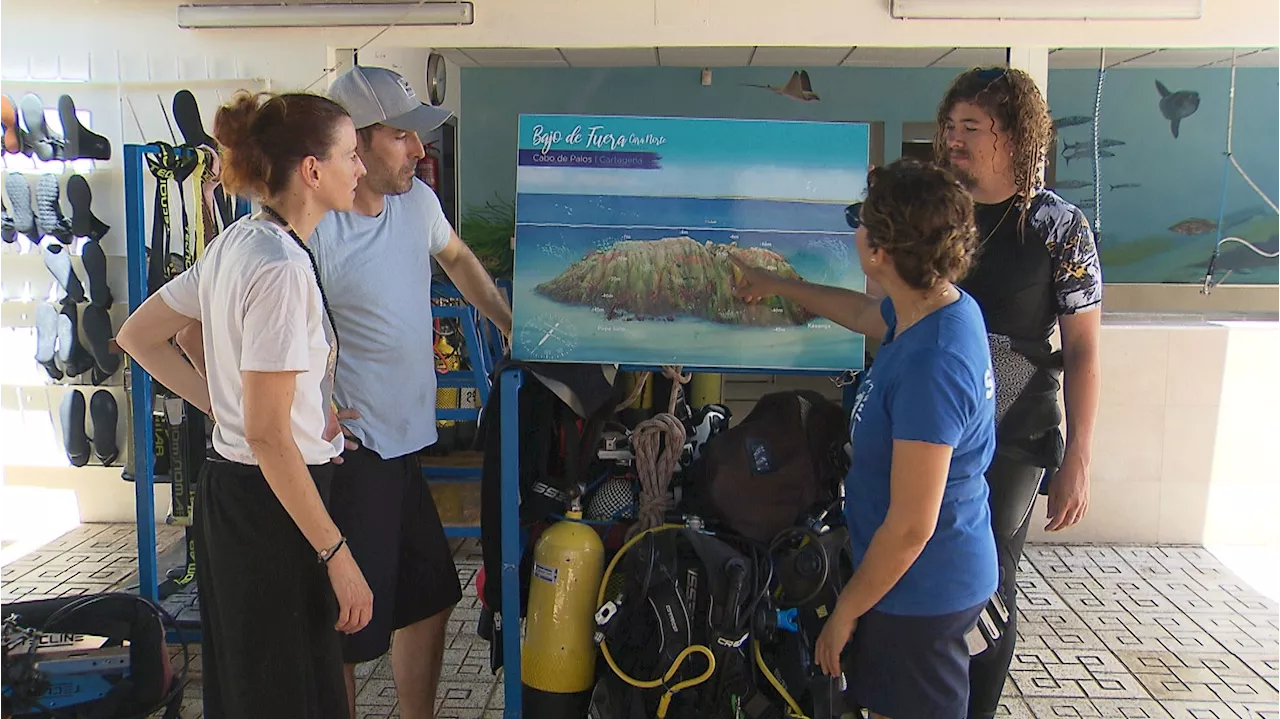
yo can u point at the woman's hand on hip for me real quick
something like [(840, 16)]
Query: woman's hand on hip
[(355, 599), (831, 642), (333, 425)]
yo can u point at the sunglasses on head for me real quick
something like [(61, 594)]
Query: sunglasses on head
[(853, 215)]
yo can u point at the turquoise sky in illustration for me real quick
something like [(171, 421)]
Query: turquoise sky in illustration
[(818, 161)]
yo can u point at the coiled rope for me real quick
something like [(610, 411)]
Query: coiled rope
[(658, 444)]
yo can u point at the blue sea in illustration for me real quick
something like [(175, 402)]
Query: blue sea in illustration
[(555, 231), (688, 213)]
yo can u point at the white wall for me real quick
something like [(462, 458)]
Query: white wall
[(131, 58), (1185, 445), (138, 26)]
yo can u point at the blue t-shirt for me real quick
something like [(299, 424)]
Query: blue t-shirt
[(933, 384), (376, 273)]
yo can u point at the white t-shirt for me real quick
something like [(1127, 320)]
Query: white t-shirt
[(257, 298)]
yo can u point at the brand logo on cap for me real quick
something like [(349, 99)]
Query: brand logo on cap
[(404, 85)]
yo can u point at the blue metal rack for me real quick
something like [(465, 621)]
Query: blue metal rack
[(140, 399), (140, 393), (484, 344), (509, 384)]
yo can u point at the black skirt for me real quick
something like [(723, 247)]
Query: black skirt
[(267, 608), (905, 667)]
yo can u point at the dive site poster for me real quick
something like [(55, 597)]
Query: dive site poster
[(625, 226)]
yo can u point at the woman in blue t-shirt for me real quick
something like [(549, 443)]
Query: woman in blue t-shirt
[(923, 433)]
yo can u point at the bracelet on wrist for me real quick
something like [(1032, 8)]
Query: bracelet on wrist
[(325, 555)]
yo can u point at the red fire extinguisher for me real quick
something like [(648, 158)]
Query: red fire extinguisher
[(429, 167)]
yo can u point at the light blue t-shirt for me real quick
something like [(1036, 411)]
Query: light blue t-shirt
[(932, 384), (377, 277)]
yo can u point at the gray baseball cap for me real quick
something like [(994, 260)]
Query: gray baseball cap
[(376, 95)]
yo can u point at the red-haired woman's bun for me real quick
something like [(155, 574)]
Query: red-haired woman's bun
[(264, 136)]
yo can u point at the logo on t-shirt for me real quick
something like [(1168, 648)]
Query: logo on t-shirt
[(859, 400)]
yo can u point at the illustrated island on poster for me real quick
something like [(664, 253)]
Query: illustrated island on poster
[(626, 226)]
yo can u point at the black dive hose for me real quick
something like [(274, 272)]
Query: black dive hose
[(824, 561)]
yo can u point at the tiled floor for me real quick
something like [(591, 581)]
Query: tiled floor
[(91, 558), (1106, 632)]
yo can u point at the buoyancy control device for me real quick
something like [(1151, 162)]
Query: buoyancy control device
[(698, 623)]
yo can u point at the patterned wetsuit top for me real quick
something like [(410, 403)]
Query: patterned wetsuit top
[(1023, 282)]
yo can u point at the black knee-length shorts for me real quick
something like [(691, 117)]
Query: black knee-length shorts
[(267, 608), (385, 510)]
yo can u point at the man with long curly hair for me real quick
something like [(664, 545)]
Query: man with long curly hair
[(1037, 269)]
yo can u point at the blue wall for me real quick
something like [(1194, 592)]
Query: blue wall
[(1180, 179)]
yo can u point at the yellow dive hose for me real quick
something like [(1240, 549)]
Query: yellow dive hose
[(793, 707), (665, 703)]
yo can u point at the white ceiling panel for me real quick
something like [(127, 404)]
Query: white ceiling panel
[(1076, 58), (704, 56), (1269, 57), (1186, 57), (457, 57), (612, 56), (1175, 57), (799, 56), (967, 57), (1087, 58), (516, 56), (894, 56)]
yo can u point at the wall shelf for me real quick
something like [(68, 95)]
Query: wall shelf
[(18, 314)]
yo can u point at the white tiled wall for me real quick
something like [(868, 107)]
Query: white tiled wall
[(1187, 446)]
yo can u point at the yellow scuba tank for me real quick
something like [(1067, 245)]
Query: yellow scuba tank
[(704, 389), (558, 660)]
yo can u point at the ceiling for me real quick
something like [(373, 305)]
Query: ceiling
[(762, 56)]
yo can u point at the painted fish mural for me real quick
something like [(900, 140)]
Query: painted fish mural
[(1067, 146), (1071, 121), (1177, 106), (1194, 226), (1086, 152)]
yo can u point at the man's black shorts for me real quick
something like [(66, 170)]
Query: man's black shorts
[(385, 510)]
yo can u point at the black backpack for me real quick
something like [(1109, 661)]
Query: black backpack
[(786, 457)]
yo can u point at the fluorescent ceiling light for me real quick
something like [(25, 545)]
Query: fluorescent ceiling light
[(325, 15), (1047, 9)]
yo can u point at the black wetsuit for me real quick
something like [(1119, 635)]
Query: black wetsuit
[(1023, 282)]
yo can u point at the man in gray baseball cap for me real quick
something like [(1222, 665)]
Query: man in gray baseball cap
[(375, 265), (378, 96)]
